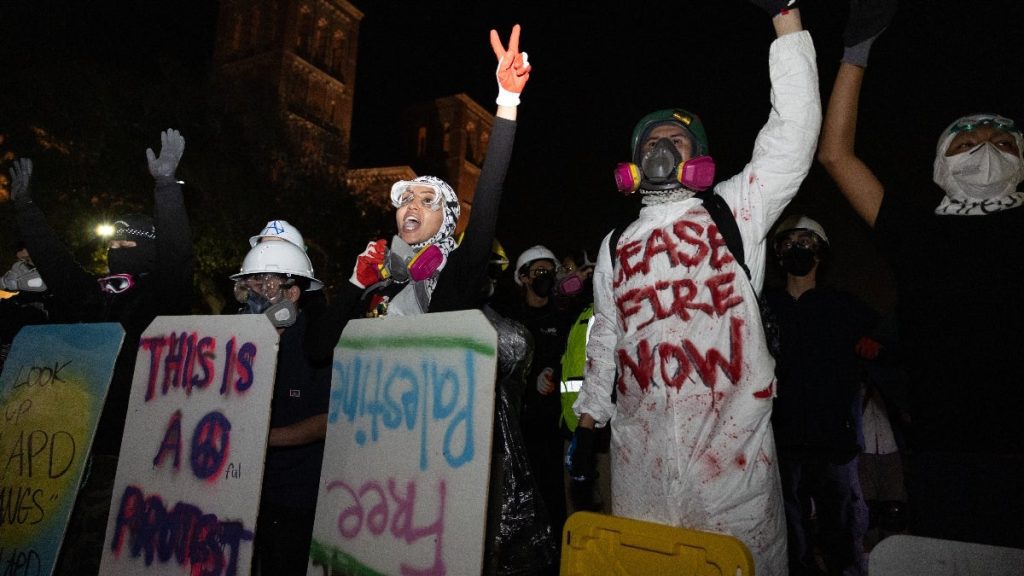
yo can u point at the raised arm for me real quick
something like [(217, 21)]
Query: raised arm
[(787, 22), (855, 179), (75, 288), (836, 151), (174, 251), (457, 284), (783, 151), (513, 73)]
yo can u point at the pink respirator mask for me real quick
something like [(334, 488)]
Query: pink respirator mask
[(425, 262), (697, 174), (418, 267)]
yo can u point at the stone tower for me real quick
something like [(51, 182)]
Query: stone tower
[(293, 61)]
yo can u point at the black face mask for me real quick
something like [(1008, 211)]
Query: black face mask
[(797, 261), (543, 284), (134, 260)]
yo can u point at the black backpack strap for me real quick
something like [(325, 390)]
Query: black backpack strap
[(722, 216), (613, 244)]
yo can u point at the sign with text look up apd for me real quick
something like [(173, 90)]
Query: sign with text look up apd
[(52, 390)]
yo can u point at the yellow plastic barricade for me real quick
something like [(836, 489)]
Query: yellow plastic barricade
[(597, 544)]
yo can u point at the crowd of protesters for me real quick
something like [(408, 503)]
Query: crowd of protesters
[(783, 416)]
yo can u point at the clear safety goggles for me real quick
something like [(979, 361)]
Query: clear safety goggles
[(116, 283), (429, 199), (997, 122), (268, 285)]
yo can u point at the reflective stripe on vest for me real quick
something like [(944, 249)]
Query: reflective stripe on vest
[(572, 385), (574, 362)]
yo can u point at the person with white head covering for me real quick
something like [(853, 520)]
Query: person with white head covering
[(959, 278), (423, 269), (978, 164), (271, 280)]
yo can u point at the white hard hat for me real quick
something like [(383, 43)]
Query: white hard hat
[(799, 222), (278, 258), (282, 230), (535, 253)]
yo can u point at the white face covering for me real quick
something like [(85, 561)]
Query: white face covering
[(982, 173), (980, 181)]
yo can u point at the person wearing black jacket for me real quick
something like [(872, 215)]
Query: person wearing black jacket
[(817, 411), (960, 315), (150, 262)]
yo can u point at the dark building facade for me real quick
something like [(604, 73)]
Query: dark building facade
[(293, 61)]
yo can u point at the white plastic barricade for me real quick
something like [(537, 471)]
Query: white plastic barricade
[(905, 555), (189, 474), (406, 466)]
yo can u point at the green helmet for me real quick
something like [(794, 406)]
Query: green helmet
[(687, 120)]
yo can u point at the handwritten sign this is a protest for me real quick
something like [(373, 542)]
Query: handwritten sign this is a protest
[(52, 391), (403, 488), (191, 463)]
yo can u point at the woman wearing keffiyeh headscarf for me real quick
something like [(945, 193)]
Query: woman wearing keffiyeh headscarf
[(422, 269)]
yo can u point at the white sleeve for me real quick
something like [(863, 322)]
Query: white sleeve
[(595, 396), (784, 148)]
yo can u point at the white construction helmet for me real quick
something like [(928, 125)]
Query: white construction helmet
[(280, 230), (798, 222), (282, 258), (537, 252)]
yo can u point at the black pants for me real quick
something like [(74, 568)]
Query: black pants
[(283, 536), (83, 541), (841, 513)]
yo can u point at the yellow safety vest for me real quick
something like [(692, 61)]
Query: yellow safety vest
[(574, 363)]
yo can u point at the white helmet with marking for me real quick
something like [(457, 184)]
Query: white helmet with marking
[(280, 230)]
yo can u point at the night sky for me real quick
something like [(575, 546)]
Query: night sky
[(598, 67)]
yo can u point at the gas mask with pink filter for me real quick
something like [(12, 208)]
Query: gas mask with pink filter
[(660, 167)]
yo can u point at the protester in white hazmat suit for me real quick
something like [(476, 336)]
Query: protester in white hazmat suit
[(678, 333)]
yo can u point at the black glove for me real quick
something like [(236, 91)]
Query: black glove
[(774, 7), (868, 18), (172, 146), (579, 459), (21, 181)]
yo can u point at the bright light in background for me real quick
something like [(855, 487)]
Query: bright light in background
[(104, 230)]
